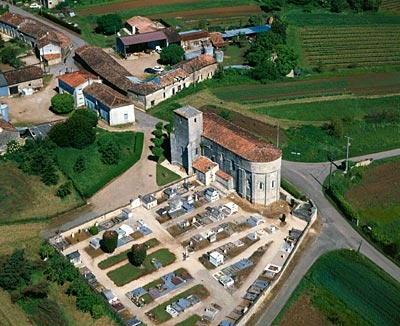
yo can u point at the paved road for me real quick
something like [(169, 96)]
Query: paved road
[(335, 233)]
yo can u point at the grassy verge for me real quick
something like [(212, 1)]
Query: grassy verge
[(162, 316), (128, 272), (111, 261), (24, 198), (291, 189), (349, 290), (191, 321), (165, 176)]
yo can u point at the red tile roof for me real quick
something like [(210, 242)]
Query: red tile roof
[(7, 126), (223, 175), (217, 40), (197, 35), (144, 24), (76, 78), (238, 140), (201, 61), (203, 164)]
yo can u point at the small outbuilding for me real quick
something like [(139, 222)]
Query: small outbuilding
[(149, 201), (216, 258), (110, 296), (74, 257)]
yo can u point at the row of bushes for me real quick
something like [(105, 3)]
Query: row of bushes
[(341, 203)]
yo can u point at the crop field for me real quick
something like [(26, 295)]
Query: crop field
[(358, 85), (377, 195), (351, 46), (349, 290), (390, 5)]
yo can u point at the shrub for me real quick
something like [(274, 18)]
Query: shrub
[(110, 241), (64, 190), (94, 230), (62, 103)]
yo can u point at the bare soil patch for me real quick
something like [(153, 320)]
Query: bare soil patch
[(302, 313)]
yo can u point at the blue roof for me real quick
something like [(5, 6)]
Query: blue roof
[(246, 31)]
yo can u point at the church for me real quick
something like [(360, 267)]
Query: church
[(219, 151)]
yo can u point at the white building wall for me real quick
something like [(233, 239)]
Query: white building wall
[(122, 115)]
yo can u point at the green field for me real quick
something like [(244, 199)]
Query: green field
[(165, 176), (127, 273), (349, 290), (90, 180)]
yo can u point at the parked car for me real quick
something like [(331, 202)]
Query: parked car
[(35, 5), (158, 68), (151, 71)]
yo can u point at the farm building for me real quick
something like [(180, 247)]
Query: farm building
[(193, 39), (248, 31), (145, 94), (74, 82), (253, 164), (23, 79), (110, 105), (141, 25), (51, 46)]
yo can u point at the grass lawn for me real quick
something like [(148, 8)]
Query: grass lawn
[(113, 260), (192, 320), (165, 176), (25, 197), (128, 272), (349, 290), (162, 316), (97, 174)]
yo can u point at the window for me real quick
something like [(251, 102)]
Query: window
[(197, 151), (152, 102), (195, 120), (273, 184), (261, 186), (125, 116), (164, 94)]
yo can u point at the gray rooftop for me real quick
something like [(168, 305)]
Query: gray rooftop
[(187, 111)]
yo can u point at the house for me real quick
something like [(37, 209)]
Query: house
[(253, 164), (50, 45), (7, 133), (141, 25), (216, 258), (113, 107), (217, 40), (149, 201), (205, 170), (74, 82), (74, 257), (194, 39), (30, 77)]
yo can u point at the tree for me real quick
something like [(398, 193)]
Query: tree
[(265, 70), (109, 24), (9, 55), (138, 254), (279, 27), (263, 46), (338, 5), (110, 241), (110, 153), (15, 271), (62, 103), (94, 230), (80, 164), (46, 250), (286, 59), (172, 54), (89, 115), (271, 5)]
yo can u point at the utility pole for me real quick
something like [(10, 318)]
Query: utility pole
[(277, 136), (347, 153)]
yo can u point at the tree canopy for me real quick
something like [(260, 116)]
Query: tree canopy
[(77, 131), (172, 54), (62, 103), (138, 254), (109, 24)]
